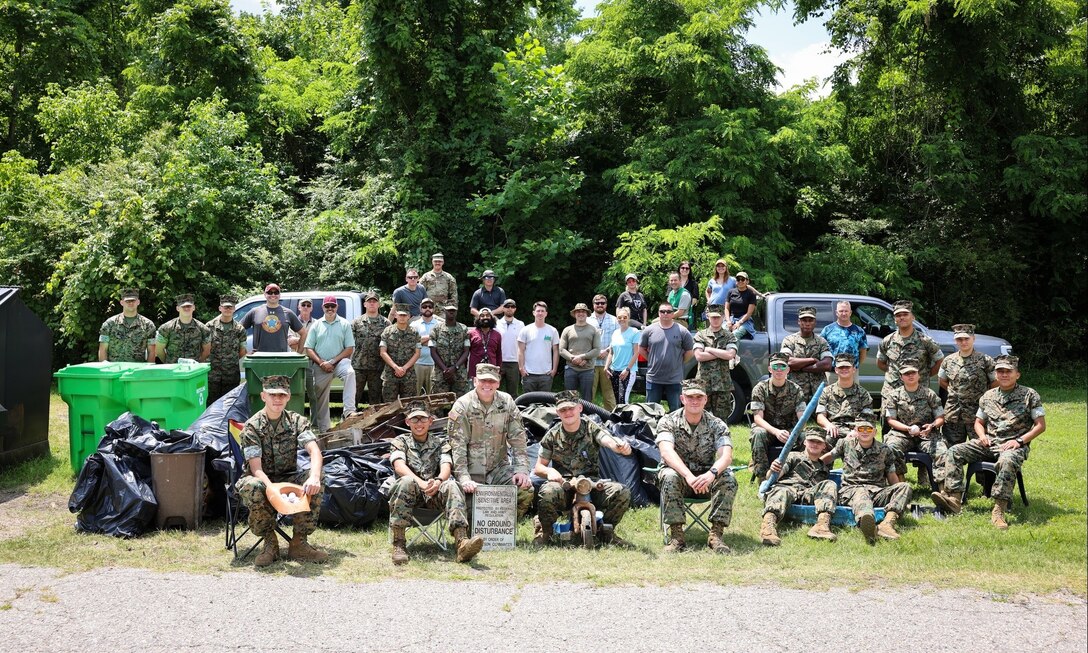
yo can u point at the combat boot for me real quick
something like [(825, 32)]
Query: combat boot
[(886, 529), (400, 546), (947, 501), (467, 547), (270, 553), (714, 542), (822, 529), (768, 530), (997, 517), (676, 539), (542, 533), (867, 524), (301, 550)]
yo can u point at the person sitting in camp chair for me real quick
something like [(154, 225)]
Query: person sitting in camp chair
[(802, 479)]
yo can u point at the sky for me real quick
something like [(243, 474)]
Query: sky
[(799, 50)]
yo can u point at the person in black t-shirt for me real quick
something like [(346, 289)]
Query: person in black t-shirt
[(633, 299), (742, 306)]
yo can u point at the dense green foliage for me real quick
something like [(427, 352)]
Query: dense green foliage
[(179, 147)]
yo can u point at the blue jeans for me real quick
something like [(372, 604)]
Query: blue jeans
[(670, 391), (580, 380), (746, 328)]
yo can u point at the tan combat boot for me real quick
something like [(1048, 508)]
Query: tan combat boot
[(400, 546), (467, 547), (867, 524), (768, 530), (270, 553), (947, 501), (997, 517), (714, 542), (676, 539), (542, 533), (301, 550), (822, 529), (886, 529)]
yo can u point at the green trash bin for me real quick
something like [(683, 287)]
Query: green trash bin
[(261, 364), (95, 397), (171, 395)]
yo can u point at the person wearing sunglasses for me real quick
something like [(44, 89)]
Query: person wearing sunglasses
[(842, 402), (666, 346), (606, 325), (270, 322), (329, 346), (410, 294), (777, 404), (423, 464)]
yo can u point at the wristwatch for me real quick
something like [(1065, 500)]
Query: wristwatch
[(1020, 441), (714, 471)]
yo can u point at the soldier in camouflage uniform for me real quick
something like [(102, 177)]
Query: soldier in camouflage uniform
[(777, 404), (127, 337), (228, 344), (183, 336), (569, 449), (906, 344), (450, 350), (696, 452), (1009, 417), (715, 347), (441, 286), (802, 479), (965, 375), (842, 402), (399, 348), (915, 417), (869, 479), (270, 443), (366, 360), (423, 464), (809, 353), (488, 439)]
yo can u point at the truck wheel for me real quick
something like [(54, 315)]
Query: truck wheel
[(740, 400)]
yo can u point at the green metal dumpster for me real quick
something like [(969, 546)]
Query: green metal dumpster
[(261, 364), (172, 395), (95, 397)]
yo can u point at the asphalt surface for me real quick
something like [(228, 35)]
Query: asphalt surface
[(120, 610)]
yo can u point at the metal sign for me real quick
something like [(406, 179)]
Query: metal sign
[(495, 515)]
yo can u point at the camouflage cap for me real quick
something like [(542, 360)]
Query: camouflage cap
[(814, 433), (402, 308), (228, 300), (130, 293), (715, 310), (437, 256), (276, 384), (487, 371), (568, 398), (963, 330), (370, 294), (903, 306), (450, 307), (844, 360), (911, 365), (1007, 362), (580, 306), (779, 357), (861, 421), (416, 409), (693, 387), (185, 299), (806, 311)]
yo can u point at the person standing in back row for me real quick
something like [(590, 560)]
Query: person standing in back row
[(634, 300), (270, 323), (127, 337), (227, 348), (579, 345), (489, 296), (440, 285), (666, 346), (538, 352)]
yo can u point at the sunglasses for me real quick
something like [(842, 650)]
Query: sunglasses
[(778, 367), (599, 303), (866, 429), (272, 292), (417, 420), (684, 267), (663, 312), (412, 276), (329, 307)]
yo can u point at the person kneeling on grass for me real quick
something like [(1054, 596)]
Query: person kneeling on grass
[(423, 463), (802, 479)]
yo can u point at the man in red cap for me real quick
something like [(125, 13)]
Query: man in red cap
[(270, 322), (329, 346)]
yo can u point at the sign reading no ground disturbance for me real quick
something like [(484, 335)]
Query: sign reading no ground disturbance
[(495, 515)]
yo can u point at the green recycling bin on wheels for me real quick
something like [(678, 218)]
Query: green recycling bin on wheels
[(95, 397), (173, 396), (260, 364)]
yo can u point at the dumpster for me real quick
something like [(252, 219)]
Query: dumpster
[(261, 364), (26, 359), (95, 397), (178, 482), (171, 395)]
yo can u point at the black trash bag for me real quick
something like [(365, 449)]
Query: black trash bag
[(640, 436), (113, 496), (353, 479), (132, 435)]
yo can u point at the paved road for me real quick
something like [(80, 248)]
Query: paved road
[(120, 610)]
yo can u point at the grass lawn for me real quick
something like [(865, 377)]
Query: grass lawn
[(1043, 551)]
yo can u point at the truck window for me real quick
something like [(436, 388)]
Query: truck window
[(875, 319), (825, 313)]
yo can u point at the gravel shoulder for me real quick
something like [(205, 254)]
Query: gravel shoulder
[(122, 610)]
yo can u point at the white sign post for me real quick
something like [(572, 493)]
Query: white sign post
[(495, 515)]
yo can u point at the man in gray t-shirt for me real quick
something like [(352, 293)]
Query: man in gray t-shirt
[(270, 322), (666, 346), (411, 293)]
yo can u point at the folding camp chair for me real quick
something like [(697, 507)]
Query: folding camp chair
[(235, 511), (695, 511), (429, 525)]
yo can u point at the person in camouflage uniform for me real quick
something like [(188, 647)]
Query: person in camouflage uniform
[(399, 348), (802, 479), (1009, 417), (270, 442), (965, 375), (449, 350), (842, 402), (127, 337), (915, 417), (777, 404), (907, 343), (488, 439), (441, 286), (715, 348), (569, 449), (183, 336), (228, 344), (366, 360), (696, 452), (423, 464), (869, 479), (809, 353)]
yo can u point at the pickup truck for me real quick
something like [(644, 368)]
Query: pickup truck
[(776, 318)]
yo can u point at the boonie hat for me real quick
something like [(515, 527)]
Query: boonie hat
[(370, 294), (580, 306), (276, 384), (487, 371), (488, 274), (567, 398)]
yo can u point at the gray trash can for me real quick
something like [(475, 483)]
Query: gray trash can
[(178, 482)]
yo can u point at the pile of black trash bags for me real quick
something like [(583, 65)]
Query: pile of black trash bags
[(114, 496)]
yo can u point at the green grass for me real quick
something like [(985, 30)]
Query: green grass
[(1044, 551)]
